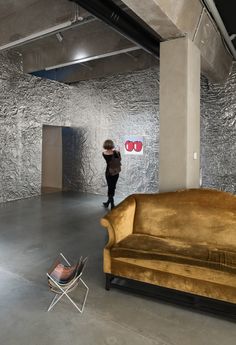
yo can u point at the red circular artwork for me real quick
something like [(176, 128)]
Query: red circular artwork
[(138, 146), (129, 146)]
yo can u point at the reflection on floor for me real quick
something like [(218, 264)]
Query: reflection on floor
[(32, 233), (49, 190)]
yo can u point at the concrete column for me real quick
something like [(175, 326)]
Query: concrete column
[(179, 115)]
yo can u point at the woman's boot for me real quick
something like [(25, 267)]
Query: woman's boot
[(112, 203), (106, 204)]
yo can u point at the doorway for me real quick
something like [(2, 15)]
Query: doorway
[(52, 174)]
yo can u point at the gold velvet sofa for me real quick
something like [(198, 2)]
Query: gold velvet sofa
[(183, 240)]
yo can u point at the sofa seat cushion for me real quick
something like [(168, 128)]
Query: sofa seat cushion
[(193, 279), (140, 246)]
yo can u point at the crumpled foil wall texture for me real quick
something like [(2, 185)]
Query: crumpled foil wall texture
[(116, 107), (112, 107), (129, 104), (26, 103), (218, 134)]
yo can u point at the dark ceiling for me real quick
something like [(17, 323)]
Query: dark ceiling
[(227, 10)]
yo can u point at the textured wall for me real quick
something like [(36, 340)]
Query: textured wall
[(26, 103), (115, 107), (218, 135), (129, 104), (110, 107)]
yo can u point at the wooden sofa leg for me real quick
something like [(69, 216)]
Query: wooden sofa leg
[(109, 278)]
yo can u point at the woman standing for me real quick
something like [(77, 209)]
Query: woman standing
[(113, 160)]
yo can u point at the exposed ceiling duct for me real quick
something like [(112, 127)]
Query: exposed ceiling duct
[(122, 22), (210, 5)]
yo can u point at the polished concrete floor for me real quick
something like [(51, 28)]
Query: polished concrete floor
[(32, 233)]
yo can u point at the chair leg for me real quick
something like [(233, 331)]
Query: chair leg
[(109, 278), (85, 298), (54, 302), (86, 294), (64, 293)]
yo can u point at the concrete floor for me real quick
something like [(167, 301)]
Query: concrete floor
[(32, 233)]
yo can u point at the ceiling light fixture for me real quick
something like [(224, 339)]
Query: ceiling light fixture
[(232, 37), (59, 37), (48, 32), (36, 35)]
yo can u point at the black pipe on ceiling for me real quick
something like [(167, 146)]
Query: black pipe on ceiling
[(113, 15)]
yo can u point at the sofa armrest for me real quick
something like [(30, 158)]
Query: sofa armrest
[(119, 222)]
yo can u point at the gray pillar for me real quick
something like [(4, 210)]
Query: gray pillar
[(179, 115)]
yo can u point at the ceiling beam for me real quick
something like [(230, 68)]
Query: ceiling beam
[(171, 19), (128, 26)]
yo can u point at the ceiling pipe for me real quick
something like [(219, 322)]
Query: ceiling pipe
[(126, 25), (210, 5), (35, 36), (92, 58), (47, 32)]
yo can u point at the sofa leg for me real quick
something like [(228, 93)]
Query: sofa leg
[(109, 278)]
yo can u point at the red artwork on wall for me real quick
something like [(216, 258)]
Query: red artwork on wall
[(134, 145), (129, 145)]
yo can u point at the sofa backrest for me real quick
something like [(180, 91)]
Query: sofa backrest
[(196, 215)]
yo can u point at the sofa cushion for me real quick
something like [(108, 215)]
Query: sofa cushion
[(193, 279), (141, 246)]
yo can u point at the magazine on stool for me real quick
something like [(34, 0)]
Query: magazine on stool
[(64, 278)]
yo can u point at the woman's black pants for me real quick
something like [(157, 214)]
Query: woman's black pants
[(111, 183)]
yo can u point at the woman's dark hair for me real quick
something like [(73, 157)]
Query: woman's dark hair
[(108, 144)]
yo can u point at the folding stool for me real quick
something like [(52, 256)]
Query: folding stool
[(63, 289)]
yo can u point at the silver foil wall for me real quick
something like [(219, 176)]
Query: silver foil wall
[(26, 103), (116, 107), (218, 135), (129, 104), (112, 107)]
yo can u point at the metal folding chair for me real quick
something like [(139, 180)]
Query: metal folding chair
[(63, 289)]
